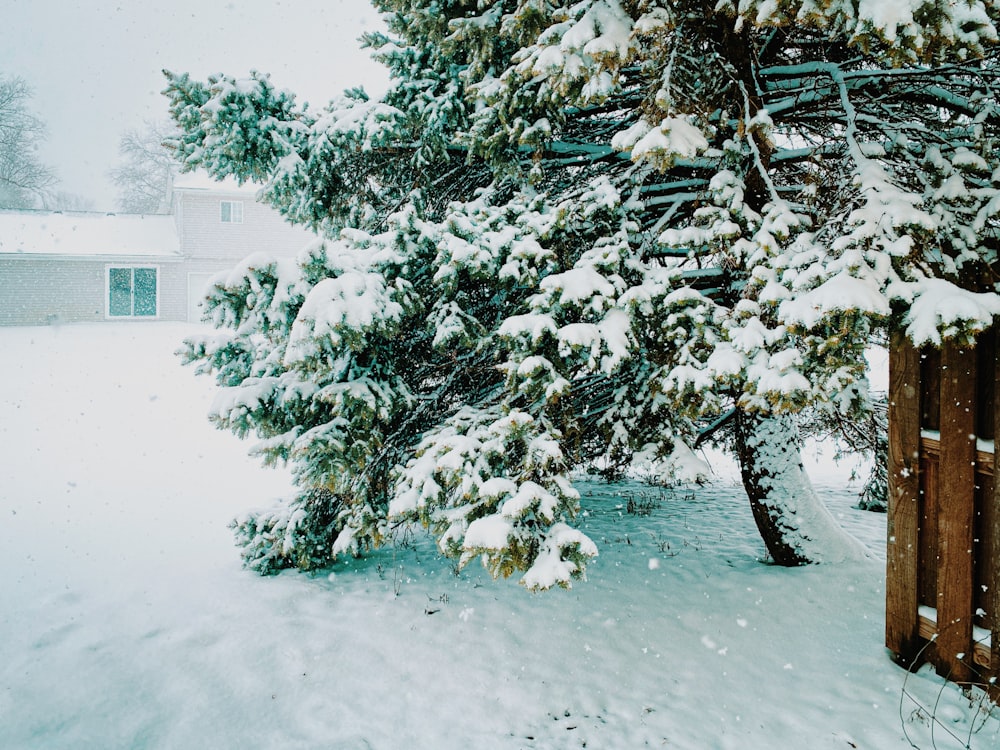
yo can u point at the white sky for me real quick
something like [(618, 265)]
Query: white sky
[(95, 64)]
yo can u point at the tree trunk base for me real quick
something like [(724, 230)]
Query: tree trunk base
[(796, 527)]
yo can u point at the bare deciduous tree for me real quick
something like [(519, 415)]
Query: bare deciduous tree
[(24, 179), (62, 200), (145, 175)]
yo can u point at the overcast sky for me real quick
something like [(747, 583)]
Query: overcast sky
[(95, 65)]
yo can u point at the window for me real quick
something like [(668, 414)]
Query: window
[(132, 292), (231, 212)]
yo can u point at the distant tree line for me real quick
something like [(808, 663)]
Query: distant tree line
[(143, 177), (24, 180)]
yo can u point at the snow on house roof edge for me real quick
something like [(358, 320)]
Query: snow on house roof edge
[(199, 180), (85, 234)]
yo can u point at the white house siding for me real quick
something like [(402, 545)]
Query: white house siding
[(203, 234), (54, 266), (36, 290), (210, 245)]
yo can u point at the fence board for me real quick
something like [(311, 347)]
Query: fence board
[(927, 522), (902, 627), (956, 497), (991, 534)]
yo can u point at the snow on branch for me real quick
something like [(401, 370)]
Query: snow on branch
[(941, 310)]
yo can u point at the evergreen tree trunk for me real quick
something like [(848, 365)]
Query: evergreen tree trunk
[(795, 525)]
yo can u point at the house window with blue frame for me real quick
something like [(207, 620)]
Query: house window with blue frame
[(132, 291), (231, 212)]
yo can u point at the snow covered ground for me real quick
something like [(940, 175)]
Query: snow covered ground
[(127, 622)]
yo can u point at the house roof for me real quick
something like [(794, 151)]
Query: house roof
[(83, 234), (201, 181)]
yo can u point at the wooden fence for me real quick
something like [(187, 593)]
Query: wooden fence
[(943, 566)]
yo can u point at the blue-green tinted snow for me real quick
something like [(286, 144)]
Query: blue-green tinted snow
[(126, 620)]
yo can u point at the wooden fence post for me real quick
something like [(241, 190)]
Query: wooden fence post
[(991, 528), (956, 504), (901, 623)]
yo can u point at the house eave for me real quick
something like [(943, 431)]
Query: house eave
[(98, 258)]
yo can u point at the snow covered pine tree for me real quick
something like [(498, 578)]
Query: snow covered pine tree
[(585, 232)]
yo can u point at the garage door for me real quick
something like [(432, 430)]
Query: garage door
[(197, 286)]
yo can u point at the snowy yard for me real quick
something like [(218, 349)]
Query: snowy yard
[(127, 622)]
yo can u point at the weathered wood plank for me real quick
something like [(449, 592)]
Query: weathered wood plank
[(956, 505), (986, 356), (901, 626), (983, 552), (927, 529), (980, 653), (930, 389), (984, 459), (991, 527)]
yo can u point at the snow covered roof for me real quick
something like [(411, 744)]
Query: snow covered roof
[(80, 233), (201, 181)]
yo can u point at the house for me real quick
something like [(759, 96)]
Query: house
[(219, 224), (83, 267)]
